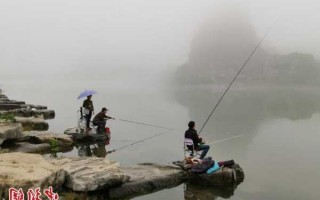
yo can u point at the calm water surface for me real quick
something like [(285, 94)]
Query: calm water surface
[(278, 150)]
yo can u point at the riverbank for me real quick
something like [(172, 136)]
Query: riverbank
[(98, 176), (87, 175)]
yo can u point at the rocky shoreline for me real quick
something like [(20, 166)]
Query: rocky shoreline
[(23, 128), (98, 176), (23, 166)]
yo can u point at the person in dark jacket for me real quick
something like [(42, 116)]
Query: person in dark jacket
[(191, 133), (100, 119), (88, 111)]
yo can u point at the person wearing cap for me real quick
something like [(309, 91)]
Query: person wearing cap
[(88, 111), (100, 119)]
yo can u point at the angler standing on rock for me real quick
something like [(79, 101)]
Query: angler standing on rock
[(88, 111)]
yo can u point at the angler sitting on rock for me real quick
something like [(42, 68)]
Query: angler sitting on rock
[(100, 119), (198, 145)]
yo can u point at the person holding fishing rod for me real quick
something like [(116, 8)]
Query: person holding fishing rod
[(198, 144), (100, 119)]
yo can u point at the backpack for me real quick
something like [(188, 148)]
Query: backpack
[(203, 166)]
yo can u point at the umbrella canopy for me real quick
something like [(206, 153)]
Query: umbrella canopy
[(86, 93)]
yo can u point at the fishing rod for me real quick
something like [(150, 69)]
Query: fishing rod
[(234, 79), (215, 107), (162, 133), (141, 123), (139, 141)]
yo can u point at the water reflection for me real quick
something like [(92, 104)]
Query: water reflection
[(194, 192), (244, 109), (97, 149), (280, 126)]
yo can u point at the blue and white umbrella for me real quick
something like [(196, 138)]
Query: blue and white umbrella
[(86, 93)]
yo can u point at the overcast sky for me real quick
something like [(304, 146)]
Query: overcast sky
[(67, 35)]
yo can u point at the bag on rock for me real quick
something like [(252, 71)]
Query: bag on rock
[(203, 166)]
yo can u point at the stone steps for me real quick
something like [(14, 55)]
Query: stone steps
[(24, 112), (31, 117), (37, 107), (9, 106), (12, 102), (33, 123)]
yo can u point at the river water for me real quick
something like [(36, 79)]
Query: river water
[(278, 129)]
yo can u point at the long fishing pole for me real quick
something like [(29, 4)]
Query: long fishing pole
[(215, 107), (141, 123), (233, 80), (162, 133), (139, 141)]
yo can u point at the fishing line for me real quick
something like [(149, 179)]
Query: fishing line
[(140, 123), (124, 140), (215, 107), (233, 80), (226, 139), (139, 141)]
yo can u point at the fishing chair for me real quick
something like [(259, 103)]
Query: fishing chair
[(82, 121), (190, 153), (81, 118)]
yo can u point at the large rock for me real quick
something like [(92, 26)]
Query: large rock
[(7, 101), (46, 137), (27, 112), (37, 107), (40, 142), (33, 123), (22, 170), (26, 147), (225, 176), (91, 174), (10, 106), (79, 135), (147, 178), (10, 131)]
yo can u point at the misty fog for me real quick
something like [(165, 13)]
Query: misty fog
[(70, 37), (168, 62)]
